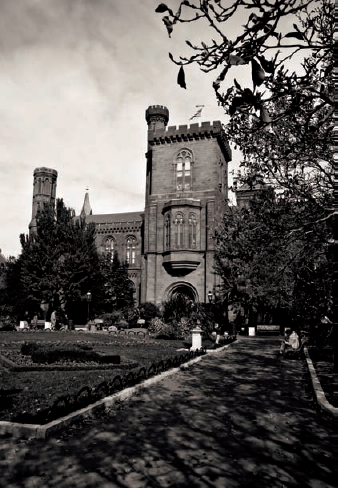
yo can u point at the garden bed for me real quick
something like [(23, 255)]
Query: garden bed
[(28, 392)]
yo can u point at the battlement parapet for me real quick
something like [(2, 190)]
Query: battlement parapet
[(182, 130), (155, 111), (205, 130), (45, 170)]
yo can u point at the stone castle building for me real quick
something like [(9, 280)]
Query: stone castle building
[(169, 245)]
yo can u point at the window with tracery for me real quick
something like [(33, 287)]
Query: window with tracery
[(109, 245), (192, 230), (179, 234), (183, 170), (167, 232), (131, 250)]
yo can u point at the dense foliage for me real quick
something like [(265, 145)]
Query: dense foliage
[(59, 265), (118, 289), (274, 254), (268, 262)]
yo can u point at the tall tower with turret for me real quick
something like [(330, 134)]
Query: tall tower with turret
[(186, 193), (44, 191)]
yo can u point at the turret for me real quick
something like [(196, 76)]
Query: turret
[(44, 191), (86, 208), (157, 117)]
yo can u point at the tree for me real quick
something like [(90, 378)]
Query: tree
[(267, 265), (58, 264), (118, 289), (282, 121)]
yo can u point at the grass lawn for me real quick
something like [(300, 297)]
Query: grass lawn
[(31, 391)]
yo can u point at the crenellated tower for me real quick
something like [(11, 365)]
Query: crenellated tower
[(44, 191), (186, 192), (157, 117)]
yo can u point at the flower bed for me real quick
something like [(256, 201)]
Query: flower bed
[(41, 412), (29, 389)]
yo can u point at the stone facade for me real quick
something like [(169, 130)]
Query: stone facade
[(186, 190), (44, 191), (169, 246)]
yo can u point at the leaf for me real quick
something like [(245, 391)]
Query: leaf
[(248, 97), (169, 25), (171, 56), (161, 8), (253, 17), (266, 64), (236, 60), (190, 45), (237, 85), (181, 78), (236, 102), (264, 114), (258, 74), (296, 35)]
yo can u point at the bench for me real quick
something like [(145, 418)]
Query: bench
[(39, 324), (268, 329), (296, 353)]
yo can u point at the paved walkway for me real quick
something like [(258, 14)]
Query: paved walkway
[(239, 418)]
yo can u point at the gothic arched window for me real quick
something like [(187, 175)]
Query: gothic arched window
[(179, 223), (109, 244), (192, 230), (167, 232), (131, 250), (183, 163)]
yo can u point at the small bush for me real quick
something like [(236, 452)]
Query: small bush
[(52, 354), (28, 348), (149, 311), (158, 327)]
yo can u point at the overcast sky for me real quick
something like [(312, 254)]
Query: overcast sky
[(76, 77)]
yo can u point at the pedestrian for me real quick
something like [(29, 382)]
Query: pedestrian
[(292, 342), (53, 320)]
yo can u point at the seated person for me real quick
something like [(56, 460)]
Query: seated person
[(292, 341)]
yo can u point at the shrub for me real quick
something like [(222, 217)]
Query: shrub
[(28, 348), (149, 311), (181, 329), (177, 307), (7, 327), (157, 327), (49, 355)]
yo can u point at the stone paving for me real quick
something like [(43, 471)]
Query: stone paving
[(239, 418)]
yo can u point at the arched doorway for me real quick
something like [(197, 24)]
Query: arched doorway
[(183, 288)]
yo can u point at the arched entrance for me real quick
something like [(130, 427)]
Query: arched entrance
[(182, 288)]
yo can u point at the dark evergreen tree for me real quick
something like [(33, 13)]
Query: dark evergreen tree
[(58, 265), (118, 289)]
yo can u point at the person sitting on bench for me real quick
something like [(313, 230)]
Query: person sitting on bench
[(292, 342)]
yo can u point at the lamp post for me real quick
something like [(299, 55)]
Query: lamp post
[(89, 298)]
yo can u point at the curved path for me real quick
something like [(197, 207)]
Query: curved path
[(238, 418)]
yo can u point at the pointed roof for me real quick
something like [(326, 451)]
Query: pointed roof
[(86, 208), (3, 260)]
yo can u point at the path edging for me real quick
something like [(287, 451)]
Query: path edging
[(317, 388)]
